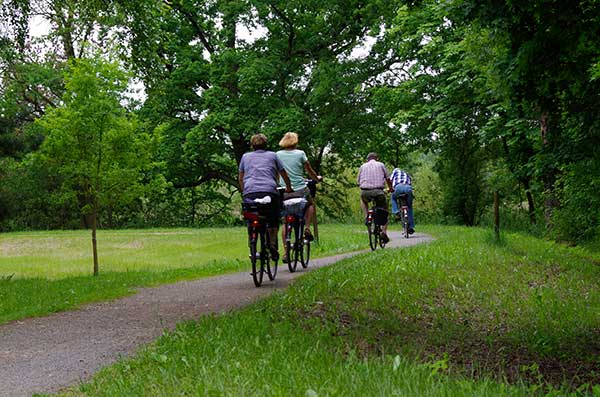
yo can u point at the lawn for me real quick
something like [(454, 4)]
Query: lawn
[(462, 316), (45, 272)]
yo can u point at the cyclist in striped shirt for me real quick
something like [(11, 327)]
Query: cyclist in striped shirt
[(402, 184)]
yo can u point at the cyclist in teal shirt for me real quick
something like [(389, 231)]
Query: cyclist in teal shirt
[(295, 163)]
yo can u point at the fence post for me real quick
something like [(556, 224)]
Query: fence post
[(496, 215), (315, 221)]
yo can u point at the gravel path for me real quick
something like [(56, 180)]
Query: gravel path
[(43, 355)]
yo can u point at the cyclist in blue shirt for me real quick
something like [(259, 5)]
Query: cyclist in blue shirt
[(402, 184)]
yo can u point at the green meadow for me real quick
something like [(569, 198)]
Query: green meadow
[(45, 272)]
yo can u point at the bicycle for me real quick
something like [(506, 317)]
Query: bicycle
[(376, 218), (297, 247), (257, 233), (403, 205)]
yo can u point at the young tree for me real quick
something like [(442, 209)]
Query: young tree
[(92, 143)]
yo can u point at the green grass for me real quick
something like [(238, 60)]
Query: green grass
[(462, 316), (45, 272)]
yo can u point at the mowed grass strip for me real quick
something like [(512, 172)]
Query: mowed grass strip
[(462, 316), (45, 272)]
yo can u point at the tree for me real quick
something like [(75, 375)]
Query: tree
[(91, 142), (543, 74), (210, 87)]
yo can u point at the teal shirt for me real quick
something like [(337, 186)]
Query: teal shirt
[(293, 162)]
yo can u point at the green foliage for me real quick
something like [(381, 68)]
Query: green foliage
[(496, 82), (485, 87), (427, 191), (579, 215), (94, 150), (215, 88)]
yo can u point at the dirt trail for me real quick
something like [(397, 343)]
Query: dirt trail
[(43, 355)]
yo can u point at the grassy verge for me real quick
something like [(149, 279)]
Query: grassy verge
[(462, 316), (45, 272)]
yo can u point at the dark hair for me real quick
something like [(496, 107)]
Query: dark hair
[(258, 141), (372, 155)]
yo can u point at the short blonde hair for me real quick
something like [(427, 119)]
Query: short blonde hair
[(290, 139), (258, 141)]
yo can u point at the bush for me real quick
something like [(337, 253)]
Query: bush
[(578, 217)]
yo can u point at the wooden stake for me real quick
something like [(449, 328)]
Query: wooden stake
[(496, 215)]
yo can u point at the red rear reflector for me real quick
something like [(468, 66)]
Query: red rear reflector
[(251, 216)]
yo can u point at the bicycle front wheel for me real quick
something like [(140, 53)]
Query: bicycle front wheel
[(381, 242), (257, 271)]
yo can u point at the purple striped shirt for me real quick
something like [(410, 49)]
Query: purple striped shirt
[(372, 175)]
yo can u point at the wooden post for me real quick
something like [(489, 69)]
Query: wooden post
[(94, 246), (496, 215), (314, 220)]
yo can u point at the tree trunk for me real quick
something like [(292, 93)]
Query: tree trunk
[(109, 215), (94, 246), (530, 202), (193, 206), (315, 221), (497, 215), (551, 202)]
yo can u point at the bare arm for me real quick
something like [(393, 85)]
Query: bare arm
[(286, 179), (388, 179), (313, 175), (241, 181)]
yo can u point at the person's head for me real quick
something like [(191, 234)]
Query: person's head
[(289, 140), (258, 141), (372, 156)]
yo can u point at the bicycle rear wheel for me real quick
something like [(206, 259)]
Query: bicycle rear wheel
[(267, 262), (404, 222), (289, 246), (297, 244), (305, 253), (257, 271), (373, 237)]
